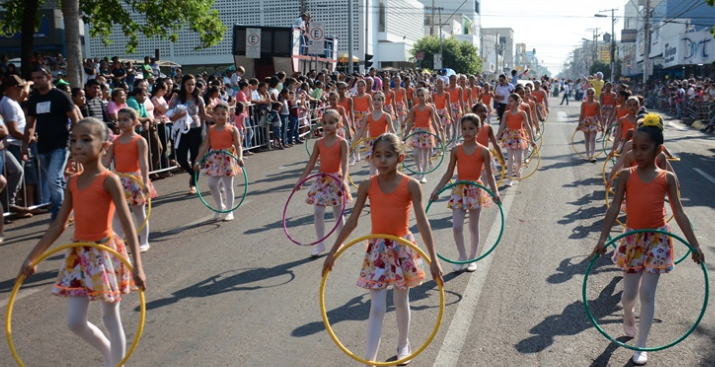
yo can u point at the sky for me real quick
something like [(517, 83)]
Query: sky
[(553, 27)]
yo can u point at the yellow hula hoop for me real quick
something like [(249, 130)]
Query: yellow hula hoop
[(501, 163), (147, 196), (573, 146), (526, 164), (327, 322), (21, 279), (605, 163)]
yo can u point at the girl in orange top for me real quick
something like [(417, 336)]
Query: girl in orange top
[(515, 138), (442, 103), (389, 96), (456, 109), (469, 158), (362, 105), (542, 101), (424, 119), (607, 100), (621, 108), (389, 263), (626, 123), (524, 106), (529, 98), (221, 168), (486, 133), (589, 123), (333, 151), (476, 91), (376, 124), (401, 98), (89, 274), (130, 154), (347, 103), (644, 256), (486, 98), (467, 100), (334, 104)]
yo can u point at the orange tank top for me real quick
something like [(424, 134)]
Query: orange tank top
[(523, 106), (346, 105), (591, 109), (409, 92), (93, 209), (423, 118), (440, 101), (466, 96), (399, 95), (126, 156), (608, 99), (454, 94), (514, 121), (377, 128), (388, 99), (626, 125), (483, 135), (645, 201), (476, 91), (539, 95), (390, 213), (469, 166), (330, 156), (361, 103), (220, 139), (621, 111), (487, 98)]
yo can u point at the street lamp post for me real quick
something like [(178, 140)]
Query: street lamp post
[(613, 39)]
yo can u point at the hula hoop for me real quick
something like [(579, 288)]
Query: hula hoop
[(606, 138), (245, 182), (21, 279), (573, 146), (673, 159), (526, 162), (501, 164), (310, 133), (148, 199), (352, 149), (501, 230), (441, 155), (624, 345), (337, 222), (324, 313), (605, 163)]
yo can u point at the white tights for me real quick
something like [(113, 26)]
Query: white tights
[(515, 160), (215, 184), (590, 139), (457, 229), (378, 308), (139, 213), (114, 345), (319, 216), (422, 156), (644, 284)]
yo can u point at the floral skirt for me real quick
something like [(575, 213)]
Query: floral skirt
[(388, 110), (443, 116), (96, 274), (132, 191), (606, 111), (515, 139), (589, 124), (469, 197), (390, 263), (421, 140), (650, 252), (368, 146), (325, 191), (220, 164), (359, 116), (542, 110), (456, 111), (401, 109)]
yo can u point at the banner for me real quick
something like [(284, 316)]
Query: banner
[(697, 47), (316, 38), (253, 43)]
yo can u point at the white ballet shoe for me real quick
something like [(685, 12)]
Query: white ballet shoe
[(640, 358), (217, 215), (403, 353), (228, 217), (472, 267), (424, 179), (318, 250), (457, 267)]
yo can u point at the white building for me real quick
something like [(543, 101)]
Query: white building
[(459, 19), (392, 28), (497, 50)]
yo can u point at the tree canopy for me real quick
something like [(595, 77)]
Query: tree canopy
[(602, 67), (462, 56)]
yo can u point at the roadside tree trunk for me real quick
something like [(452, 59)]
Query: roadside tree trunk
[(28, 37), (70, 12)]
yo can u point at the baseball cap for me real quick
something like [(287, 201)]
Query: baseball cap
[(14, 80)]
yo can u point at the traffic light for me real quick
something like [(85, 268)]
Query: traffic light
[(368, 61)]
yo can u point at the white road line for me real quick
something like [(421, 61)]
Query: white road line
[(448, 355), (20, 295), (562, 116), (706, 175)]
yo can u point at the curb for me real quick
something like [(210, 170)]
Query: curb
[(699, 125)]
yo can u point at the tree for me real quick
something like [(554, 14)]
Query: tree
[(163, 18), (602, 67), (462, 56)]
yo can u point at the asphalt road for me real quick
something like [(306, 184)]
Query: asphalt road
[(240, 294)]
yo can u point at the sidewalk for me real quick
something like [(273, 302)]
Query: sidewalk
[(697, 124)]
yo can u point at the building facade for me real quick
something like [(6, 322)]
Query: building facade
[(497, 50)]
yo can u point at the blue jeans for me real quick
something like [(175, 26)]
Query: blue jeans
[(293, 134), (53, 165), (284, 128)]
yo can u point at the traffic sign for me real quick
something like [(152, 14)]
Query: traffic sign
[(316, 38), (420, 55), (253, 43), (437, 61)]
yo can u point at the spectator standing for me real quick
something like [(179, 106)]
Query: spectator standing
[(501, 93), (96, 106), (14, 118), (119, 73), (162, 122), (567, 90), (47, 114)]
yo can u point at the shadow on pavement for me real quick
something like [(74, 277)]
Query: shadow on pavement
[(358, 310), (567, 270), (36, 280), (231, 281), (605, 357), (304, 220)]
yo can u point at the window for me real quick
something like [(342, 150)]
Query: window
[(381, 17), (476, 6)]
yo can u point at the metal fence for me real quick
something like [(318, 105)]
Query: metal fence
[(162, 155)]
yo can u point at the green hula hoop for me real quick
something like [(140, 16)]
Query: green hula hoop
[(624, 345), (441, 159), (245, 182), (501, 215)]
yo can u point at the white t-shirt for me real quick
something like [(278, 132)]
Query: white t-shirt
[(11, 111), (503, 90), (299, 23)]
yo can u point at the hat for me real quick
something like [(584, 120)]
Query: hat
[(14, 80), (306, 14), (62, 82)]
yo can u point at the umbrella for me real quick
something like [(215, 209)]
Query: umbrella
[(345, 57), (450, 72)]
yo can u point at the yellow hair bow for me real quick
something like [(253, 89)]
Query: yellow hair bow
[(653, 120)]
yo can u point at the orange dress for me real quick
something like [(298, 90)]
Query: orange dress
[(400, 102), (649, 252), (89, 272), (389, 263), (126, 163), (375, 128), (625, 125), (469, 168), (590, 121), (218, 163), (514, 137), (361, 107), (440, 105), (455, 102), (423, 123), (609, 104), (326, 190), (388, 103)]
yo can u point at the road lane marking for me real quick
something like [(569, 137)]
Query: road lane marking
[(456, 336), (706, 175), (20, 295), (562, 116)]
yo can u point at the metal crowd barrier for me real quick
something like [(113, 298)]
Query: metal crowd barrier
[(42, 199)]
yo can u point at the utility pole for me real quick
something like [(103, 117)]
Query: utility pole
[(440, 35), (303, 6), (613, 46), (367, 30), (350, 36), (646, 39), (431, 32)]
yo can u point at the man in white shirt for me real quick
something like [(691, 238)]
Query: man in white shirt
[(567, 89), (14, 118), (501, 94), (302, 23)]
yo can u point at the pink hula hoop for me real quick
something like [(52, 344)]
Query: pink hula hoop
[(337, 223)]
